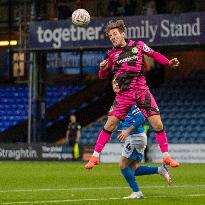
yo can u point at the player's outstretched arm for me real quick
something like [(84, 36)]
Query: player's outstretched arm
[(173, 63), (155, 55)]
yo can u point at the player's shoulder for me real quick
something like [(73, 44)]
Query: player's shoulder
[(144, 47), (139, 44), (133, 42)]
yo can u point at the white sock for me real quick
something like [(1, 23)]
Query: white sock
[(165, 154), (159, 170), (96, 154)]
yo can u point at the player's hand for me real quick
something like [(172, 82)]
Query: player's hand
[(123, 135), (174, 63), (104, 65), (115, 86)]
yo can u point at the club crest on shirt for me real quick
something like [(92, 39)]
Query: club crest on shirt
[(134, 50)]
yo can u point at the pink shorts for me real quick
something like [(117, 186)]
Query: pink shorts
[(143, 98), (146, 103)]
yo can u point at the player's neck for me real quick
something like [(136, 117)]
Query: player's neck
[(122, 44)]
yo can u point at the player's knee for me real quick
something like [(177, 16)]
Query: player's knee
[(109, 128), (110, 125), (122, 165), (158, 126)]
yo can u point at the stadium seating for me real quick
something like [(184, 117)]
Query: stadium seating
[(182, 107), (14, 102)]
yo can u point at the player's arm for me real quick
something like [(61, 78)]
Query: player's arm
[(124, 133), (137, 121), (105, 66), (174, 63)]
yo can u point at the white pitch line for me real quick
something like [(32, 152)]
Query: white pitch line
[(94, 188), (62, 189), (57, 201), (99, 199)]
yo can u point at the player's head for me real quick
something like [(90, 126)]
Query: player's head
[(73, 118), (115, 30), (115, 86)]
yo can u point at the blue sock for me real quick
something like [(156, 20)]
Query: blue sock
[(130, 178), (146, 170)]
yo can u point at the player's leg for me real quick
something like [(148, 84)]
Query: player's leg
[(139, 142), (118, 111), (129, 176), (149, 170), (156, 123), (149, 108), (103, 138), (129, 159), (161, 137)]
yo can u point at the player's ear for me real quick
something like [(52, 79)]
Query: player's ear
[(123, 34)]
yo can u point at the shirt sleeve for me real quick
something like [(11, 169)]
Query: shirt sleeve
[(120, 125), (155, 55), (138, 117), (160, 58)]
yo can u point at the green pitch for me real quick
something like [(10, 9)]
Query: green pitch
[(69, 183)]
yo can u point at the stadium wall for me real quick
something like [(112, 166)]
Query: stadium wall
[(36, 152), (184, 153)]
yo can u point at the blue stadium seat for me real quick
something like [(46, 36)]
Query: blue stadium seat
[(14, 102)]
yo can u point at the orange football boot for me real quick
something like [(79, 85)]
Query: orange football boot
[(168, 161), (92, 162)]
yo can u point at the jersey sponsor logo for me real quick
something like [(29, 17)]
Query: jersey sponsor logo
[(127, 59), (146, 48), (134, 50)]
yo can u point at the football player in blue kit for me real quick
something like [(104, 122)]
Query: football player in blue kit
[(132, 132)]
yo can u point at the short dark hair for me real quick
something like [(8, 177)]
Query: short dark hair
[(115, 24)]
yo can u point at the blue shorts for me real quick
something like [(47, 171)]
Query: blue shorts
[(136, 156)]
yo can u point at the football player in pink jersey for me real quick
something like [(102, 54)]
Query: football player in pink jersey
[(125, 61)]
